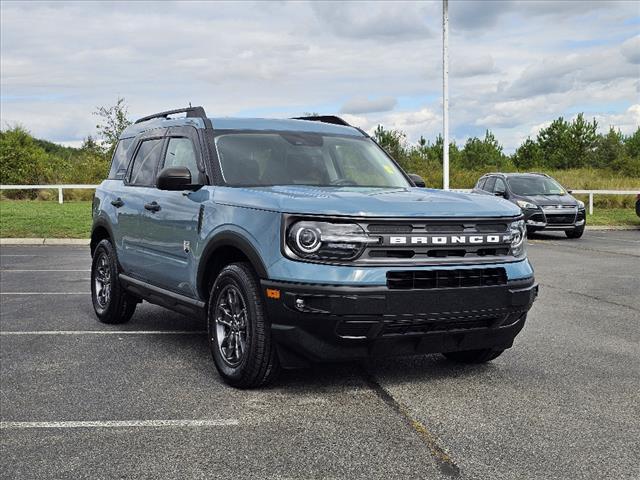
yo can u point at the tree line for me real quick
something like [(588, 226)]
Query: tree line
[(562, 145)]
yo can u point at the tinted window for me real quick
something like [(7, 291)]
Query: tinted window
[(143, 171), (481, 183), (182, 153), (119, 162), (290, 158), (500, 186), (488, 187), (535, 185)]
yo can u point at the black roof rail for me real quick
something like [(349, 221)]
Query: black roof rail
[(325, 119), (192, 112)]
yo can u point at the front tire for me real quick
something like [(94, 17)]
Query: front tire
[(239, 331), (474, 356), (111, 302)]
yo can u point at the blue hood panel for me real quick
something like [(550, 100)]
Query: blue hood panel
[(366, 202)]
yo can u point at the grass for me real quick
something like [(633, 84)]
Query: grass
[(42, 219), (614, 216)]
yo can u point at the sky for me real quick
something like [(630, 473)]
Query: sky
[(514, 65)]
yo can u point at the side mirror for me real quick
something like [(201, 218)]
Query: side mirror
[(175, 178), (500, 193), (417, 180)]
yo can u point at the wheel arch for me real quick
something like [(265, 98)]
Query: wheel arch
[(222, 249), (100, 231)]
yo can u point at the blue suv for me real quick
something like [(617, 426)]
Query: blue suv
[(299, 241)]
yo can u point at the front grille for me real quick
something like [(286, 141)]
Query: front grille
[(560, 219), (404, 325), (413, 325), (537, 217), (457, 278), (437, 241)]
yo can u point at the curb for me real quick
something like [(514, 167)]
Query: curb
[(611, 227), (44, 241)]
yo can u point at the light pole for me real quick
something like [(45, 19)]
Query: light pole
[(445, 94)]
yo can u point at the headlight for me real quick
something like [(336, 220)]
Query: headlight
[(327, 241), (580, 205), (523, 204), (518, 232)]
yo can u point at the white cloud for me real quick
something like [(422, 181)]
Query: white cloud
[(514, 65), (366, 105)]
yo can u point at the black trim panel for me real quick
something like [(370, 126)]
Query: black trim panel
[(165, 298)]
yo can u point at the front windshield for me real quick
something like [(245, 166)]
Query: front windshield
[(535, 186), (292, 158)]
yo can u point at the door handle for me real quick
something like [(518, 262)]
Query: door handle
[(153, 206), (117, 202)]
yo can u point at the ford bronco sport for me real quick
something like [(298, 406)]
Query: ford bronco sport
[(299, 241)]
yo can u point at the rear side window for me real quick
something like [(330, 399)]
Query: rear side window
[(488, 187), (119, 162), (143, 172), (182, 153), (481, 183)]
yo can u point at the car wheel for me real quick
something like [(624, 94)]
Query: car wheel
[(111, 302), (575, 233), (474, 356), (239, 331)]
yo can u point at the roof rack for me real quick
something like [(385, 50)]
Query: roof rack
[(192, 112), (324, 119)]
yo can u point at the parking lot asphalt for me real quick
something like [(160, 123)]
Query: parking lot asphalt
[(79, 399)]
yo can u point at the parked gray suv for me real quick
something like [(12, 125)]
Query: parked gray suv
[(299, 241), (545, 204)]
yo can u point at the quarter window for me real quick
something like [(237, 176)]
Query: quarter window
[(143, 171), (182, 153), (119, 161)]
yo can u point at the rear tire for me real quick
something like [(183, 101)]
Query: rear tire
[(575, 233), (474, 356), (239, 330), (111, 302)]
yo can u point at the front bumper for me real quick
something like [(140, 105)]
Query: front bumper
[(312, 323), (541, 219)]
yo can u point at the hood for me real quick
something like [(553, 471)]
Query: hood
[(543, 200), (366, 202)]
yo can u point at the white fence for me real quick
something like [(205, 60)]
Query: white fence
[(60, 188)]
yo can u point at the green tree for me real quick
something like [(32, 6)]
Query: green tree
[(113, 121), (632, 145), (479, 153), (528, 155), (22, 160)]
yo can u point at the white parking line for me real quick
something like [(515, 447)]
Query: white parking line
[(27, 270), (45, 293), (107, 332), (122, 423)]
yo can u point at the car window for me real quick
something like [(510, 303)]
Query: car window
[(481, 183), (488, 187), (182, 153), (119, 162), (295, 158), (499, 186), (143, 171), (535, 185)]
